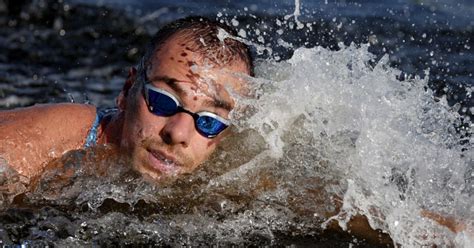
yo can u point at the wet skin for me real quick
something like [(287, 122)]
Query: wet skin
[(157, 146), (31, 137), (165, 146)]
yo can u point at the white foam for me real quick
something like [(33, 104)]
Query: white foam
[(393, 143)]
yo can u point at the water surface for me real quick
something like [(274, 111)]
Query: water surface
[(369, 101)]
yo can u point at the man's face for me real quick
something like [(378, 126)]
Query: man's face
[(162, 146)]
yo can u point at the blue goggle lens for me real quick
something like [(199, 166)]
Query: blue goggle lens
[(161, 104), (209, 126)]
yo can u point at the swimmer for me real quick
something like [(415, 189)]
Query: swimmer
[(171, 114)]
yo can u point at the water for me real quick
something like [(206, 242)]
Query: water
[(375, 109)]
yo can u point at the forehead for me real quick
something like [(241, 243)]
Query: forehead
[(181, 60)]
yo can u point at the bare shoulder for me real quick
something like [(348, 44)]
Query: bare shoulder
[(30, 137), (47, 117), (45, 111)]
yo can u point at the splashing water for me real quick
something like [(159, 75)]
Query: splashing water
[(325, 135), (324, 126), (394, 147), (296, 14)]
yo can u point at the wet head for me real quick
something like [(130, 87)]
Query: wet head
[(199, 81)]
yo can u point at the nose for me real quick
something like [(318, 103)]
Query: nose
[(178, 129)]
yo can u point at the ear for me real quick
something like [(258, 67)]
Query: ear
[(121, 100)]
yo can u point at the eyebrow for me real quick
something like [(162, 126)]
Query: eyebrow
[(217, 101)]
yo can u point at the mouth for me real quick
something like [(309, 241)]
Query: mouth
[(163, 163)]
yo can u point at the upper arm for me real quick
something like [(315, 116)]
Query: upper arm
[(31, 137)]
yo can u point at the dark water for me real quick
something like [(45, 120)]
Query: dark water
[(72, 50), (422, 37), (55, 51)]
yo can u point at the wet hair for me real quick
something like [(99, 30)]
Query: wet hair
[(200, 35)]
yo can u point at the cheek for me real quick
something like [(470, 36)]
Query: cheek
[(145, 127), (135, 125), (131, 133), (212, 143), (203, 147), (210, 147)]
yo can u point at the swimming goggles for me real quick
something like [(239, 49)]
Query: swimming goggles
[(163, 103)]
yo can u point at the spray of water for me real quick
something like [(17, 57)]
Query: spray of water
[(395, 148), (322, 136)]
